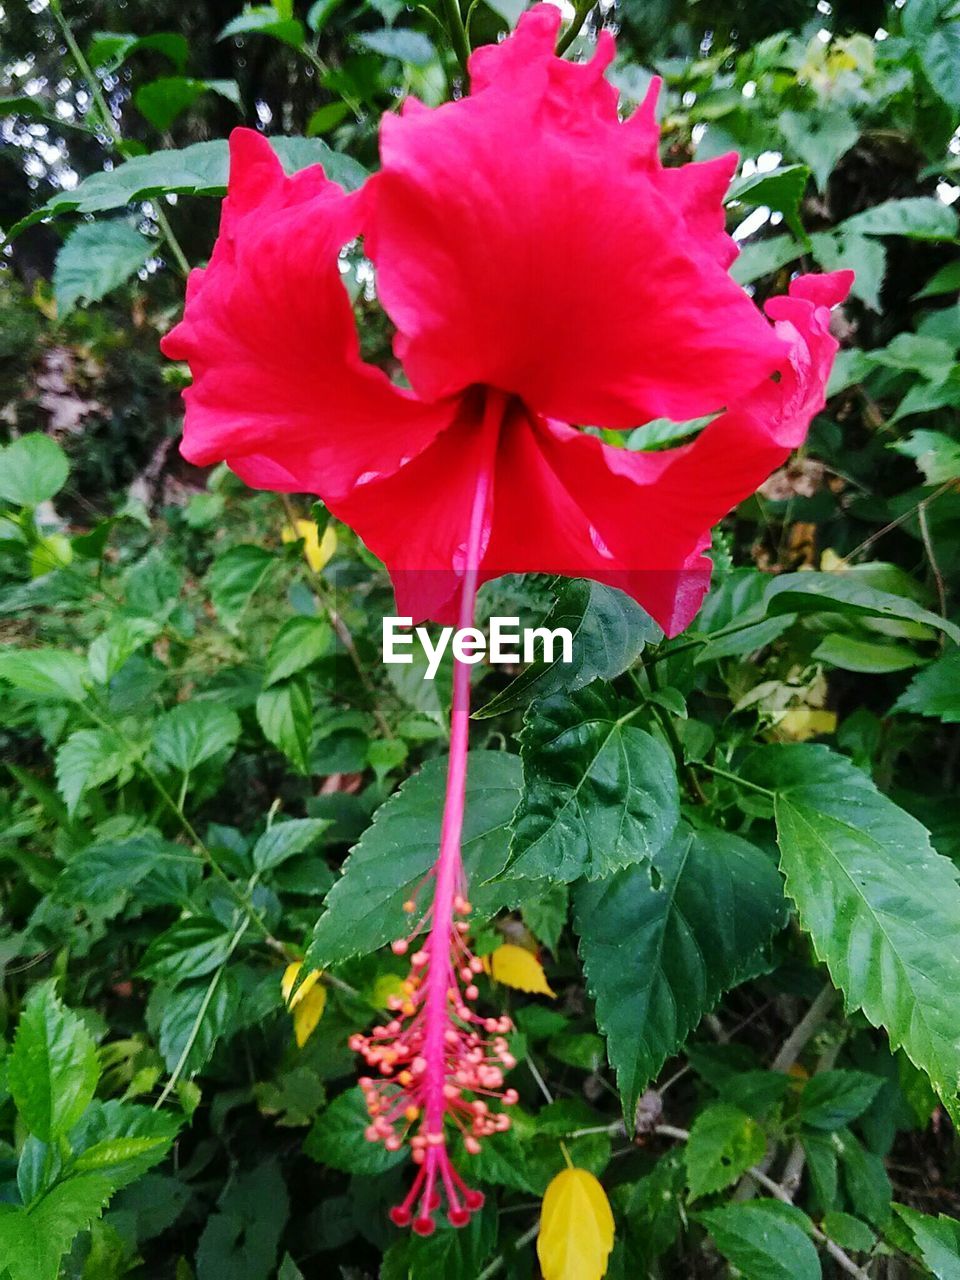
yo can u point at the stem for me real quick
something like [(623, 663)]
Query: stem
[(449, 865), (458, 37), (574, 29), (840, 1258), (112, 128), (741, 782)]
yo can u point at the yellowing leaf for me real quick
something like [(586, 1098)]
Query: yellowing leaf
[(801, 723), (576, 1228), (517, 967), (308, 1013), (387, 985), (317, 551), (307, 1003), (830, 562)]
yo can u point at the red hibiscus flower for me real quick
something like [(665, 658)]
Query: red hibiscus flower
[(542, 269)]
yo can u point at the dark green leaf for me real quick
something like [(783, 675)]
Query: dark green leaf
[(337, 1138), (188, 949), (724, 1142), (364, 909), (881, 907), (761, 1242), (658, 958), (599, 793), (32, 469), (285, 839), (285, 714), (935, 691), (193, 732), (831, 1099), (52, 1070), (50, 673), (298, 644), (938, 1240), (609, 632), (847, 592), (97, 258)]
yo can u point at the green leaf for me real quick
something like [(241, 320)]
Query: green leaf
[(192, 732), (164, 99), (241, 1239), (33, 1241), (285, 714), (724, 1142), (97, 258), (233, 579), (146, 862), (881, 907), (831, 1099), (192, 1018), (298, 644), (364, 909), (89, 758), (451, 1253), (32, 469), (840, 251), (109, 50), (938, 1240), (52, 1070), (401, 43), (199, 169), (946, 280), (848, 1232), (848, 593), (49, 673), (286, 839), (819, 138), (120, 641), (188, 949), (851, 653), (937, 455), (916, 217), (934, 691), (609, 632), (265, 20), (337, 1138), (658, 958), (761, 1242), (779, 189), (865, 1178), (759, 258), (599, 793)]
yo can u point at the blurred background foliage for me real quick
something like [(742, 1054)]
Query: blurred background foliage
[(186, 666)]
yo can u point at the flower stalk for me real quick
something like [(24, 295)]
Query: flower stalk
[(439, 1060)]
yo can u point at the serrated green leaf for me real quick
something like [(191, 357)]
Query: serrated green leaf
[(102, 869), (761, 1242), (609, 632), (298, 644), (882, 908), (938, 1240), (598, 794), (408, 46), (286, 839), (188, 734), (831, 1099), (52, 1070), (935, 691), (778, 189), (285, 714), (188, 949), (863, 255), (89, 758), (241, 1239), (33, 468), (917, 217), (337, 1138), (192, 1018), (658, 958), (162, 100), (847, 592), (724, 1142), (49, 673), (97, 258), (364, 909), (819, 138)]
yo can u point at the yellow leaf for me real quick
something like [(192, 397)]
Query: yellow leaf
[(801, 723), (387, 985), (576, 1228), (517, 967), (317, 551), (830, 562), (307, 1002), (308, 1012)]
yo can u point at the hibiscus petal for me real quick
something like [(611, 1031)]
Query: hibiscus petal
[(279, 389), (564, 502), (525, 241)]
